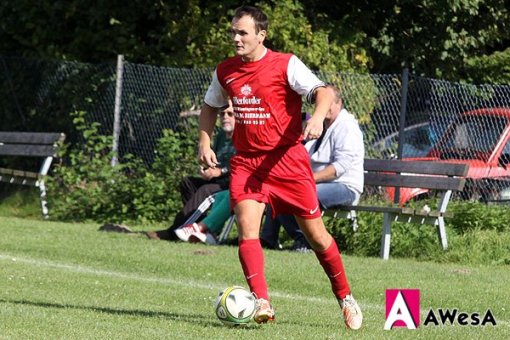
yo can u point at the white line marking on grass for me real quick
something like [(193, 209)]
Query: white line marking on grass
[(187, 283), (160, 280)]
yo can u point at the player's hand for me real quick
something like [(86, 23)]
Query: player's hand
[(313, 128), (207, 157)]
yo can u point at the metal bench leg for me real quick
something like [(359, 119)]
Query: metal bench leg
[(441, 232), (386, 237), (222, 238), (43, 171), (353, 219), (42, 195)]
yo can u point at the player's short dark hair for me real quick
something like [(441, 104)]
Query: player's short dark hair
[(259, 17)]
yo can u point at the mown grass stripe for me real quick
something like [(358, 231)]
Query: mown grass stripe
[(159, 280), (188, 283)]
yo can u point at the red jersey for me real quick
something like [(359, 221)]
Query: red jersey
[(267, 108)]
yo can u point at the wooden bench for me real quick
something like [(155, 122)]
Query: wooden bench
[(443, 178), (30, 144)]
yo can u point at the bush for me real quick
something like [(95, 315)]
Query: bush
[(87, 187)]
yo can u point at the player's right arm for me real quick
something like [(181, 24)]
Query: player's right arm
[(215, 98), (207, 121)]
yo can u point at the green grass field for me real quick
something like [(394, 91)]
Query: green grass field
[(70, 281)]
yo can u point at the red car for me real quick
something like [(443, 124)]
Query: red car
[(480, 138)]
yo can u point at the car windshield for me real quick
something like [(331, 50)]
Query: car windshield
[(417, 141), (475, 133)]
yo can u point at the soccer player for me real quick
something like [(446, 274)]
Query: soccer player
[(271, 165)]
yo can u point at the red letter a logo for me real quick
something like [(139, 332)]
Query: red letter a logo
[(402, 308)]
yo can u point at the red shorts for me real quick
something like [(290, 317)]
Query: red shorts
[(281, 177)]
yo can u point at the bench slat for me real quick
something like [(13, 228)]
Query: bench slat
[(31, 137), (18, 173), (416, 167), (28, 150), (395, 210), (18, 180), (426, 182)]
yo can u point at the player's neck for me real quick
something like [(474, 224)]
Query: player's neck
[(258, 54)]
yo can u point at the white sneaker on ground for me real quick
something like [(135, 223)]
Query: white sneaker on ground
[(352, 313), (185, 232)]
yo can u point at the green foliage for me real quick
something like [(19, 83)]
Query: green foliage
[(176, 157), (291, 31), (472, 216), (489, 69), (88, 187), (434, 38), (480, 246)]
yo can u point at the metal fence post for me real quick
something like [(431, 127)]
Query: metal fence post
[(117, 108), (402, 121)]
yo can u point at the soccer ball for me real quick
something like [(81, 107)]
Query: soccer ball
[(234, 306)]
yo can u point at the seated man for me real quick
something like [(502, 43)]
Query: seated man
[(194, 190), (337, 164)]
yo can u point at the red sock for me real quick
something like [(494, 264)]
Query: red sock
[(252, 261), (331, 261)]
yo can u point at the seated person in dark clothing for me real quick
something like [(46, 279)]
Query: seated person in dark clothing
[(194, 190)]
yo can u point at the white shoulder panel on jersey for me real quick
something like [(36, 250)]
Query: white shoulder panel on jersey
[(216, 96), (301, 78)]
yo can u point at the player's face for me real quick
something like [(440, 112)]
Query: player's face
[(248, 43)]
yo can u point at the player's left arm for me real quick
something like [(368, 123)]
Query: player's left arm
[(323, 99), (306, 83)]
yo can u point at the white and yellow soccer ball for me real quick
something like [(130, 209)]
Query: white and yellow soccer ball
[(234, 306)]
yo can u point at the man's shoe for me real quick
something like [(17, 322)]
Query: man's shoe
[(191, 233), (204, 237), (264, 312), (301, 246), (352, 313)]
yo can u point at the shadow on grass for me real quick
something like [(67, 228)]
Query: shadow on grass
[(196, 319)]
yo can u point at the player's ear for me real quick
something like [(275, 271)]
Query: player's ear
[(262, 35)]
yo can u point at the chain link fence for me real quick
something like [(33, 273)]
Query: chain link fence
[(435, 118)]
